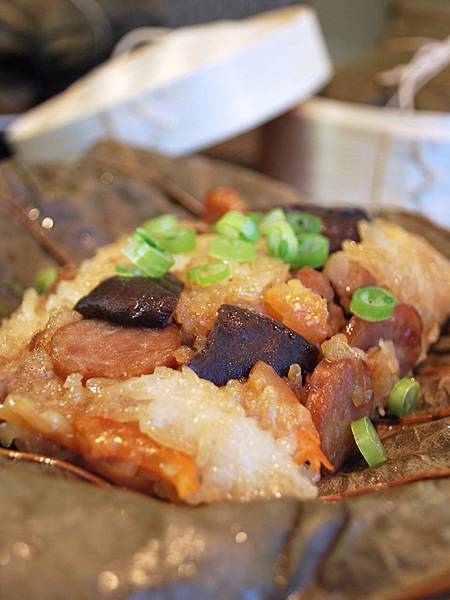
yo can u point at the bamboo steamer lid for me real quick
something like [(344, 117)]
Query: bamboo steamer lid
[(191, 88), (372, 157), (380, 138)]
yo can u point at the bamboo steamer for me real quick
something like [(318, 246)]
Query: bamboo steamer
[(372, 157), (191, 88)]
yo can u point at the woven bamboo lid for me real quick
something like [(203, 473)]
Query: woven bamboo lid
[(191, 88)]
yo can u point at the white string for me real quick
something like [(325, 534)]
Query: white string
[(429, 60)]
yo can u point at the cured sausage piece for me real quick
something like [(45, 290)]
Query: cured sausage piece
[(346, 277), (129, 457), (336, 318), (316, 281), (220, 200), (334, 390), (269, 399), (319, 283), (97, 348), (138, 301), (404, 328)]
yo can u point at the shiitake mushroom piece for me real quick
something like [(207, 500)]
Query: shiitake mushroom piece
[(241, 337), (338, 223), (134, 301)]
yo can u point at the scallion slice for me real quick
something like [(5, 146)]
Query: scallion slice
[(150, 238), (403, 396), (234, 224), (128, 271), (273, 216), (179, 240), (313, 250), (160, 225), (256, 217), (282, 241), (208, 273), (44, 279), (226, 248), (302, 221), (368, 442), (372, 303), (147, 254)]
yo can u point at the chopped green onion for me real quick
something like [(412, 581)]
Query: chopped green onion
[(128, 271), (160, 225), (227, 248), (208, 273), (273, 216), (237, 225), (368, 442), (282, 241), (150, 238), (372, 303), (179, 240), (403, 396), (147, 254), (256, 217), (304, 221), (313, 250), (44, 279)]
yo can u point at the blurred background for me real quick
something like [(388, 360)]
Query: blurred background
[(46, 45), (352, 143)]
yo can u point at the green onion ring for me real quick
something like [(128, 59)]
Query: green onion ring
[(128, 271), (281, 241), (208, 273), (403, 396), (372, 303), (226, 248), (273, 216), (256, 217), (313, 250), (234, 224), (179, 240), (368, 442), (149, 238), (147, 254), (302, 221), (160, 225), (44, 279)]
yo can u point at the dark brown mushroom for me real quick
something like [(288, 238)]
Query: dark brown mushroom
[(135, 301), (241, 337)]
